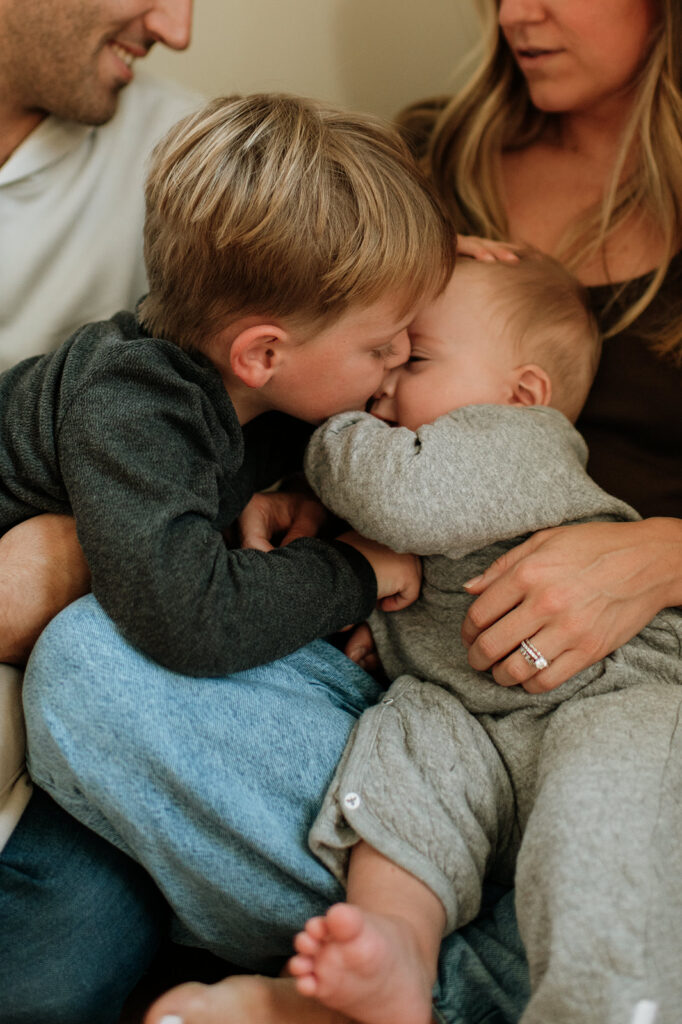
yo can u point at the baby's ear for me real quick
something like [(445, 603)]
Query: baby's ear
[(531, 385), (256, 353)]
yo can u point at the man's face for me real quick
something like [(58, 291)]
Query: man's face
[(72, 57)]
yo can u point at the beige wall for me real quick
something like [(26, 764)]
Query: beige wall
[(368, 54)]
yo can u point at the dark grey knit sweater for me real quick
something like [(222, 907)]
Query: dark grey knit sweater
[(140, 441)]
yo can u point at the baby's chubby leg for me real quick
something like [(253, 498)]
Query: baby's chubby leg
[(374, 958)]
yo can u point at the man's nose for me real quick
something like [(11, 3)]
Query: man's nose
[(170, 22)]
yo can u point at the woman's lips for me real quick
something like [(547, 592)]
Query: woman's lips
[(528, 55)]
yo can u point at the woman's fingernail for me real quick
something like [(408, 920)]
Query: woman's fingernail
[(469, 583), (171, 1018)]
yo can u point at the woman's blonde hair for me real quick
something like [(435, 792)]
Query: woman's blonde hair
[(461, 140), (281, 206)]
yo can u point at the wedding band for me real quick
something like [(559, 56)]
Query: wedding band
[(533, 656)]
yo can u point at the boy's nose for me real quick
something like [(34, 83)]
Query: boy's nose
[(170, 22), (387, 387)]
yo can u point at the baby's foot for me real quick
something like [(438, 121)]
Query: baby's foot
[(240, 999), (366, 965)]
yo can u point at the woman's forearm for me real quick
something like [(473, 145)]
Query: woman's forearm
[(663, 539), (578, 592)]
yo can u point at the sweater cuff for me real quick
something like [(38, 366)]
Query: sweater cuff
[(364, 573)]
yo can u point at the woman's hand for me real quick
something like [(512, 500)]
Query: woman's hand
[(42, 569), (289, 514), (486, 249), (576, 592), (399, 577)]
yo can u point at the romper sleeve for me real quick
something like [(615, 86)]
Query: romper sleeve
[(476, 475)]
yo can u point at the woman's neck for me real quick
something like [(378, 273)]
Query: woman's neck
[(550, 184), (594, 137)]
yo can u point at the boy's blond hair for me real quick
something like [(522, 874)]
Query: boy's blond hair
[(280, 206), (546, 311)]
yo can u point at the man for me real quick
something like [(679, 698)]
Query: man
[(78, 922)]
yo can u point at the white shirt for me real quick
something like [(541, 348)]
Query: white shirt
[(71, 216)]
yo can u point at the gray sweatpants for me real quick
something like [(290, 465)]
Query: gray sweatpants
[(594, 787)]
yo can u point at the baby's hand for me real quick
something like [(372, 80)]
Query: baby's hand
[(361, 648), (398, 576), (486, 249)]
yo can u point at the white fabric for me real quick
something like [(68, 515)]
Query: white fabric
[(71, 215), (15, 787)]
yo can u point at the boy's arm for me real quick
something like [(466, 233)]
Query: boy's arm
[(477, 475), (150, 480)]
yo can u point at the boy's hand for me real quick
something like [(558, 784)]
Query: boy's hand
[(289, 513), (42, 569), (399, 577)]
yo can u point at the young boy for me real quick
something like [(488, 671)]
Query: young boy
[(287, 244), (468, 449)]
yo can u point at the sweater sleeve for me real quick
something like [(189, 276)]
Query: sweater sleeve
[(150, 471), (477, 475)]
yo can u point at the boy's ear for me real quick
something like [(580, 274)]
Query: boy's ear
[(531, 385), (256, 353)]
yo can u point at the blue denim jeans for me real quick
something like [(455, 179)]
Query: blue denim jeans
[(212, 785), (79, 922)]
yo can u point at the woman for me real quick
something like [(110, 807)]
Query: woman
[(575, 116), (570, 138)]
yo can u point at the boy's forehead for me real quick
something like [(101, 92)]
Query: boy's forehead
[(386, 313)]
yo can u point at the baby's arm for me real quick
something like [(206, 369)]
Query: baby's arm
[(476, 475)]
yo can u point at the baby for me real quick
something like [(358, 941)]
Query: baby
[(469, 448)]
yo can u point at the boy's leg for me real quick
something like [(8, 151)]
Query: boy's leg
[(79, 922), (245, 774), (375, 957), (599, 882), (211, 784)]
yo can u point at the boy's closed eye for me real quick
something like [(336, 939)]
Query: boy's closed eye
[(385, 352)]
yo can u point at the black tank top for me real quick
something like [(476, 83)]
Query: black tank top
[(632, 420)]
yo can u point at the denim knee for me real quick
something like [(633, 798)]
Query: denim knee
[(79, 922)]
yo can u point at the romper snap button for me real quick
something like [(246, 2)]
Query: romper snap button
[(351, 801)]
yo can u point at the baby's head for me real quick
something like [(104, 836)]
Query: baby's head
[(500, 333), (278, 207)]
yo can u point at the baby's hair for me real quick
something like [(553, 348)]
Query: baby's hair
[(279, 206), (547, 311)]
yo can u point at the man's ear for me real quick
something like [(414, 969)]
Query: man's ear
[(531, 385), (256, 353)]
